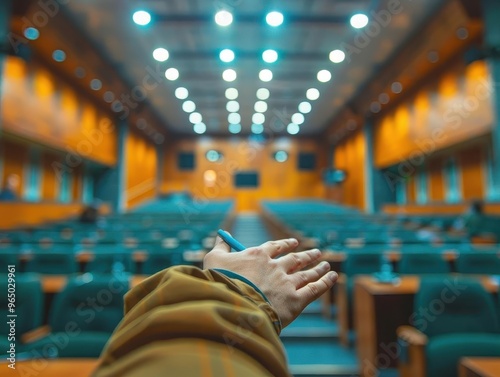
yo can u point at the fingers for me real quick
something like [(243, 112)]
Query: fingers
[(303, 278), (314, 290), (220, 246), (276, 248), (297, 261)]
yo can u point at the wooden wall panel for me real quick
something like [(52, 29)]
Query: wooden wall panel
[(471, 162), (141, 163), (31, 214), (15, 159), (455, 109), (277, 180), (411, 190), (51, 180), (58, 116), (350, 156), (436, 180)]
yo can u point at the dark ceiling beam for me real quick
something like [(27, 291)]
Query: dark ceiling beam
[(317, 21)]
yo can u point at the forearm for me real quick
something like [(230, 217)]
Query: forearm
[(185, 320)]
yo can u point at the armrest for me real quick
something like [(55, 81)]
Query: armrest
[(35, 334), (412, 336)]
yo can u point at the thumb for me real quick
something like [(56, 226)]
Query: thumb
[(220, 246)]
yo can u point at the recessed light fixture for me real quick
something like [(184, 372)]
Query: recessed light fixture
[(260, 106), (384, 98), (324, 76), (59, 56), (96, 84), (396, 87), (31, 33), (200, 128), (258, 118), (181, 93), (195, 118), (281, 156), (234, 118), (312, 94), (235, 128), (231, 93), (226, 55), (160, 54), (305, 107), (233, 106), (229, 75), (172, 74), (337, 56), (223, 18), (375, 107), (266, 75), (263, 94), (141, 17), (270, 56), (257, 128), (274, 18), (359, 21), (293, 129), (298, 118), (188, 106)]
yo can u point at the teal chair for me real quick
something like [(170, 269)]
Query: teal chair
[(84, 315), (52, 263), (478, 263), (423, 263), (107, 263), (453, 318), (159, 259), (28, 307)]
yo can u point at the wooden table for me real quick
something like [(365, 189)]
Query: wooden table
[(379, 309), (479, 367), (51, 368)]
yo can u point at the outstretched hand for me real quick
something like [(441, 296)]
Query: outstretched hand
[(283, 280)]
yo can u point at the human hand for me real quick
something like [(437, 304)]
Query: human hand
[(286, 285)]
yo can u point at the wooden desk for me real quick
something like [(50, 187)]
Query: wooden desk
[(52, 368), (479, 367), (379, 309)]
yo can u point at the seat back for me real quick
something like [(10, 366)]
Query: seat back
[(361, 263), (478, 263), (52, 263), (90, 302), (160, 260), (446, 305), (423, 263), (28, 303), (110, 262)]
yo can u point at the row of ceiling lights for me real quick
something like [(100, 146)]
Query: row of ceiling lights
[(224, 18)]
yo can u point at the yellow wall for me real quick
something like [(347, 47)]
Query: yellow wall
[(38, 106), (350, 156), (277, 180), (141, 163)]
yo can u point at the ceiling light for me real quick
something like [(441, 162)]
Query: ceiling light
[(235, 128), (257, 128), (281, 156), (96, 84), (266, 75), (298, 118), (234, 118), (258, 118), (233, 106), (188, 106), (109, 96), (226, 55), (337, 56), (59, 56), (229, 75), (195, 118), (31, 33), (263, 94), (375, 107), (231, 93), (200, 128), (397, 87), (324, 76), (223, 18), (260, 107), (172, 74), (384, 98), (160, 54), (293, 129), (305, 107), (359, 21), (181, 93), (312, 94), (274, 19), (270, 56), (141, 17)]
